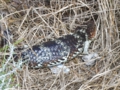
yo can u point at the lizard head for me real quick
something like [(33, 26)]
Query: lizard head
[(86, 32), (91, 29)]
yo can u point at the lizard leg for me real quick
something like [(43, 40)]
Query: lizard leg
[(86, 46)]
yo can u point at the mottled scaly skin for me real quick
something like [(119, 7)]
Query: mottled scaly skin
[(60, 50)]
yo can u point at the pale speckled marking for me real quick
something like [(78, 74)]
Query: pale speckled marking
[(39, 65), (80, 49), (52, 63), (36, 51), (75, 54), (58, 41), (76, 36), (83, 31), (62, 60)]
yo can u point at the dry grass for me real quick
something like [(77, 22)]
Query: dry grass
[(33, 22)]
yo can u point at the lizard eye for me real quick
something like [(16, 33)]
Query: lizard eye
[(92, 34)]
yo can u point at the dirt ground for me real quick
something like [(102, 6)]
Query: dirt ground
[(35, 21)]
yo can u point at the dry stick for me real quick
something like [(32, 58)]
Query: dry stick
[(74, 81), (24, 19), (63, 9), (54, 80), (42, 18)]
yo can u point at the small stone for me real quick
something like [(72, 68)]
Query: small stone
[(90, 58)]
